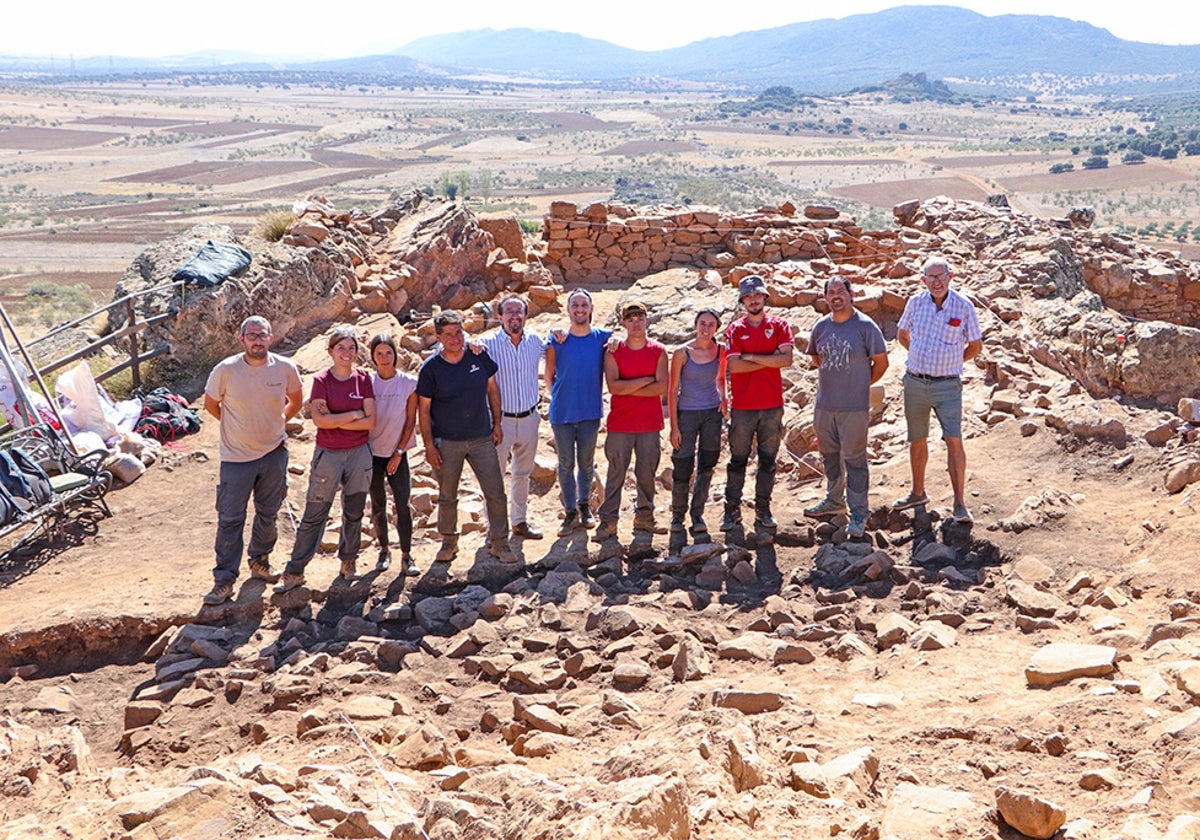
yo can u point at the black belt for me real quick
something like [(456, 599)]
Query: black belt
[(519, 414), (924, 377)]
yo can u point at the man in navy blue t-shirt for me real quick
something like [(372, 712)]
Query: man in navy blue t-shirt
[(459, 406)]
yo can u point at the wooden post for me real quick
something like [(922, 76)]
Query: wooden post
[(131, 313)]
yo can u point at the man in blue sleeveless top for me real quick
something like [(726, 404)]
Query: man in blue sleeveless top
[(574, 370)]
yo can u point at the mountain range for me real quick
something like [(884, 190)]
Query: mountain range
[(1005, 54)]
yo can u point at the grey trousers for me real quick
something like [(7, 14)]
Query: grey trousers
[(350, 471), (620, 448), (842, 442), (485, 463)]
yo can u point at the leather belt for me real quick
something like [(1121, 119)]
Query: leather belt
[(519, 414), (924, 377)]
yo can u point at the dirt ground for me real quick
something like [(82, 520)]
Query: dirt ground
[(961, 719)]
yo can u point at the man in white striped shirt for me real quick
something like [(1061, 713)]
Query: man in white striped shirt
[(518, 354), (940, 330)]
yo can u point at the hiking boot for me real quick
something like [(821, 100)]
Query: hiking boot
[(410, 568), (912, 500), (857, 527), (570, 520), (764, 519), (700, 532), (219, 594), (646, 523), (384, 561), (607, 529), (585, 517), (677, 526), (348, 570), (502, 551), (962, 516), (260, 569), (524, 531), (288, 582), (732, 520), (826, 507), (448, 551)]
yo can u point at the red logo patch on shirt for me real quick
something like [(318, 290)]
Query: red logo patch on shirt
[(955, 322)]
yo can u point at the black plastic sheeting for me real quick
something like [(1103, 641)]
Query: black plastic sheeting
[(213, 263)]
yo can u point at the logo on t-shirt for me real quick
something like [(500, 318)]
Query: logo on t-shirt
[(769, 331), (474, 368)]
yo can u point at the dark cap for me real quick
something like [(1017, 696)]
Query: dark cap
[(751, 285), (633, 307)]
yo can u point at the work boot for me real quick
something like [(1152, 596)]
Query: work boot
[(219, 594), (288, 582), (732, 520), (585, 516), (348, 570), (570, 520), (502, 551), (763, 518), (448, 551), (607, 530), (260, 569)]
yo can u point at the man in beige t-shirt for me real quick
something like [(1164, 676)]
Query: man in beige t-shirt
[(253, 394)]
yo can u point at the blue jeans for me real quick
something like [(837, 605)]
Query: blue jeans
[(576, 445), (348, 471), (765, 427), (264, 479)]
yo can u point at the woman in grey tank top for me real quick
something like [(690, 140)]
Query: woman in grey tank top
[(696, 402)]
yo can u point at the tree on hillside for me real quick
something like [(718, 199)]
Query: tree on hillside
[(1096, 162), (1133, 156), (1058, 168)]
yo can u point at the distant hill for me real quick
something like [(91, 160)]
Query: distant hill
[(1008, 54)]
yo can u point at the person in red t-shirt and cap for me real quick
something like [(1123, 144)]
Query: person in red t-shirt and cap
[(760, 346), (636, 375)]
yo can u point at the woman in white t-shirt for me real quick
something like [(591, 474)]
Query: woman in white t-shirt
[(392, 437)]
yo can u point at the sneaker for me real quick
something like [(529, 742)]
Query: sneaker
[(857, 527), (585, 516), (826, 507), (570, 520), (288, 582), (448, 551), (348, 570), (607, 529), (260, 569), (962, 515), (502, 551), (219, 594), (384, 562), (912, 500), (411, 569), (524, 531), (732, 520), (763, 518)]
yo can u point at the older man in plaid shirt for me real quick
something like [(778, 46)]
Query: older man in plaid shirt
[(940, 330)]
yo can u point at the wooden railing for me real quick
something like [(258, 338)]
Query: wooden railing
[(131, 331)]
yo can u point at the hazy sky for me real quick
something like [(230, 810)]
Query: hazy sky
[(84, 28)]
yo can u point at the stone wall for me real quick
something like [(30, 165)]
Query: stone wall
[(617, 243)]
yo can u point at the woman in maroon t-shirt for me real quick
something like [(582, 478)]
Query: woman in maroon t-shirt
[(343, 409)]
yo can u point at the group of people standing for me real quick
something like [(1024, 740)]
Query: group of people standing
[(476, 403)]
